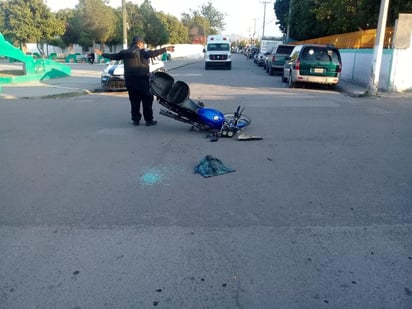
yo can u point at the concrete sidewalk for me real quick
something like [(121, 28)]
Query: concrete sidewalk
[(86, 82)]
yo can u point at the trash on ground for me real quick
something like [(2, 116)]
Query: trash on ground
[(244, 137)]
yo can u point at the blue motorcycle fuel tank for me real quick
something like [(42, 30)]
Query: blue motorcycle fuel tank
[(212, 117)]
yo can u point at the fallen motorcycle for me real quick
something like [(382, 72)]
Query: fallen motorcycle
[(175, 97)]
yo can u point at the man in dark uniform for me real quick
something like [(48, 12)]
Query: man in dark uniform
[(91, 57), (136, 61)]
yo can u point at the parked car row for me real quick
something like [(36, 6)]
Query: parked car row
[(309, 63), (251, 53)]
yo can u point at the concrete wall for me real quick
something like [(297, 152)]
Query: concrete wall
[(401, 79), (396, 66), (402, 60), (181, 50), (357, 66), (48, 49)]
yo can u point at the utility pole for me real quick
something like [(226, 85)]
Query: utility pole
[(124, 24), (289, 21), (252, 37), (264, 16), (378, 49)]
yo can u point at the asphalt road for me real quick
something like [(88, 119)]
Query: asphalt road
[(96, 213)]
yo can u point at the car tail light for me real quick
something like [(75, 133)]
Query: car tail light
[(297, 65), (273, 58), (339, 69)]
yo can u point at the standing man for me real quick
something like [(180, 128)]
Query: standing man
[(90, 57), (136, 61)]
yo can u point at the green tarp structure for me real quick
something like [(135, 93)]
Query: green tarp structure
[(33, 69)]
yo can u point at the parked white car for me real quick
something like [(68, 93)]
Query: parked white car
[(112, 77)]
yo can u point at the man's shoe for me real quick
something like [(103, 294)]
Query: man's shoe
[(151, 123), (136, 123)]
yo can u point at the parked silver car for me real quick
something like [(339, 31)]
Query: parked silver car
[(112, 77)]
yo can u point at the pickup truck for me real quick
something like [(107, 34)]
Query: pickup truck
[(276, 59)]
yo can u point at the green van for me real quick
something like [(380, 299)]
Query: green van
[(313, 63)]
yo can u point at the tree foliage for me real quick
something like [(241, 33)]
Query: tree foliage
[(215, 18), (27, 21), (154, 30), (134, 20), (73, 26), (97, 21), (206, 20), (281, 8), (316, 18), (94, 21), (198, 25), (117, 36), (178, 32)]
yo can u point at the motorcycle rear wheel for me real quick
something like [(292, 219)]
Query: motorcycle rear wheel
[(242, 122)]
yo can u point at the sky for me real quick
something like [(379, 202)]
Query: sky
[(241, 18)]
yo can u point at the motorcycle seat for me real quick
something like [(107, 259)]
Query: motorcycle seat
[(160, 84), (178, 93), (191, 105)]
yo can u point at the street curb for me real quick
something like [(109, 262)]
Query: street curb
[(49, 96), (65, 95)]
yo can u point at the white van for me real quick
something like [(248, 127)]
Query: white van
[(217, 52)]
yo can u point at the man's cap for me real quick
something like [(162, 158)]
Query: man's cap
[(137, 39)]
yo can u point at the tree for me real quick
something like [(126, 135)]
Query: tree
[(281, 8), (154, 30), (72, 23), (315, 18), (215, 18), (198, 25), (97, 21), (204, 21), (302, 20), (117, 35), (178, 33), (337, 16), (207, 20), (25, 21)]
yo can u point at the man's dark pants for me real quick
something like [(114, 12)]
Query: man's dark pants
[(139, 92)]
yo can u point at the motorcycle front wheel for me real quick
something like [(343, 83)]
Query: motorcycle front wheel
[(242, 122)]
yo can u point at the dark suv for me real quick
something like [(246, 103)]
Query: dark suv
[(313, 63), (276, 59)]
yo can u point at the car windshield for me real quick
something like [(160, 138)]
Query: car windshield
[(218, 47), (321, 54)]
